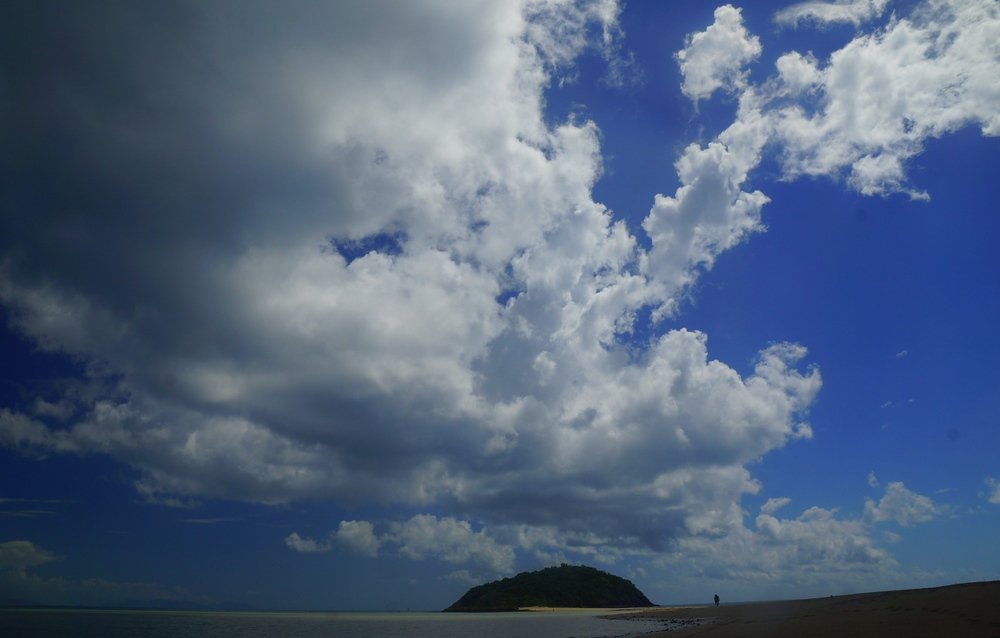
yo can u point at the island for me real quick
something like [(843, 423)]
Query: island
[(562, 586)]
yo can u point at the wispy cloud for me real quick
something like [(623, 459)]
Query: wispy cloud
[(31, 512), (306, 545), (774, 504), (819, 12), (26, 513)]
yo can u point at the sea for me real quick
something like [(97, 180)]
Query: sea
[(77, 623)]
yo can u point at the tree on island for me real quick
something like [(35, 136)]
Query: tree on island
[(562, 586)]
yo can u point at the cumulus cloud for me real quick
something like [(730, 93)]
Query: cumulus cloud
[(880, 97), (851, 11), (421, 537), (714, 58), (358, 536), (315, 259), (817, 536), (451, 540), (992, 490), (902, 506), (335, 252), (814, 551), (865, 112)]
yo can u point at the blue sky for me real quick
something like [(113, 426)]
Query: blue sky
[(352, 307)]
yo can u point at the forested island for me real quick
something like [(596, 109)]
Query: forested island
[(563, 586)]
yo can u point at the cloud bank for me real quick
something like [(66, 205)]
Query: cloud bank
[(339, 253), (363, 268)]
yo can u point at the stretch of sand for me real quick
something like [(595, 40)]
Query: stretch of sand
[(958, 610), (587, 610)]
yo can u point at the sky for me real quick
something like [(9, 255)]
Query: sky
[(353, 305)]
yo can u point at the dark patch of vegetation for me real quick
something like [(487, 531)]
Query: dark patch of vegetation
[(563, 586)]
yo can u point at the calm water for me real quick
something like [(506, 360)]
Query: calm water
[(183, 624)]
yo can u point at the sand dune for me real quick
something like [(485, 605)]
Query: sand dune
[(971, 609)]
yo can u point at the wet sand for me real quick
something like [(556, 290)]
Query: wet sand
[(971, 609)]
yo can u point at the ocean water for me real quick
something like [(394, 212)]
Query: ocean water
[(15, 623)]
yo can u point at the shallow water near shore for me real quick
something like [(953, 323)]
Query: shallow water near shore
[(16, 623)]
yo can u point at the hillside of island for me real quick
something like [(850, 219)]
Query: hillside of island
[(563, 586)]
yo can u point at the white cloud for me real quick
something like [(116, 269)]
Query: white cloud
[(774, 504), (818, 551), (320, 319), (880, 97), (708, 214), (814, 552), (852, 11), (421, 537), (714, 58), (426, 536), (872, 479), (19, 555), (817, 536), (358, 536), (798, 73), (902, 506), (305, 545), (310, 308), (558, 28), (993, 490)]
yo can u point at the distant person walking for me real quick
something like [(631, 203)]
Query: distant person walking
[(716, 600)]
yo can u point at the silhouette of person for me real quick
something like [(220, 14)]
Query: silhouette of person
[(716, 600)]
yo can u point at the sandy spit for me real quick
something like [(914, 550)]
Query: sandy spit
[(971, 609)]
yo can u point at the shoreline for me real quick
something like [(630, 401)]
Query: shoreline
[(608, 611), (968, 609)]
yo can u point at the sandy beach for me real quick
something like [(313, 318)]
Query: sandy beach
[(971, 609)]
